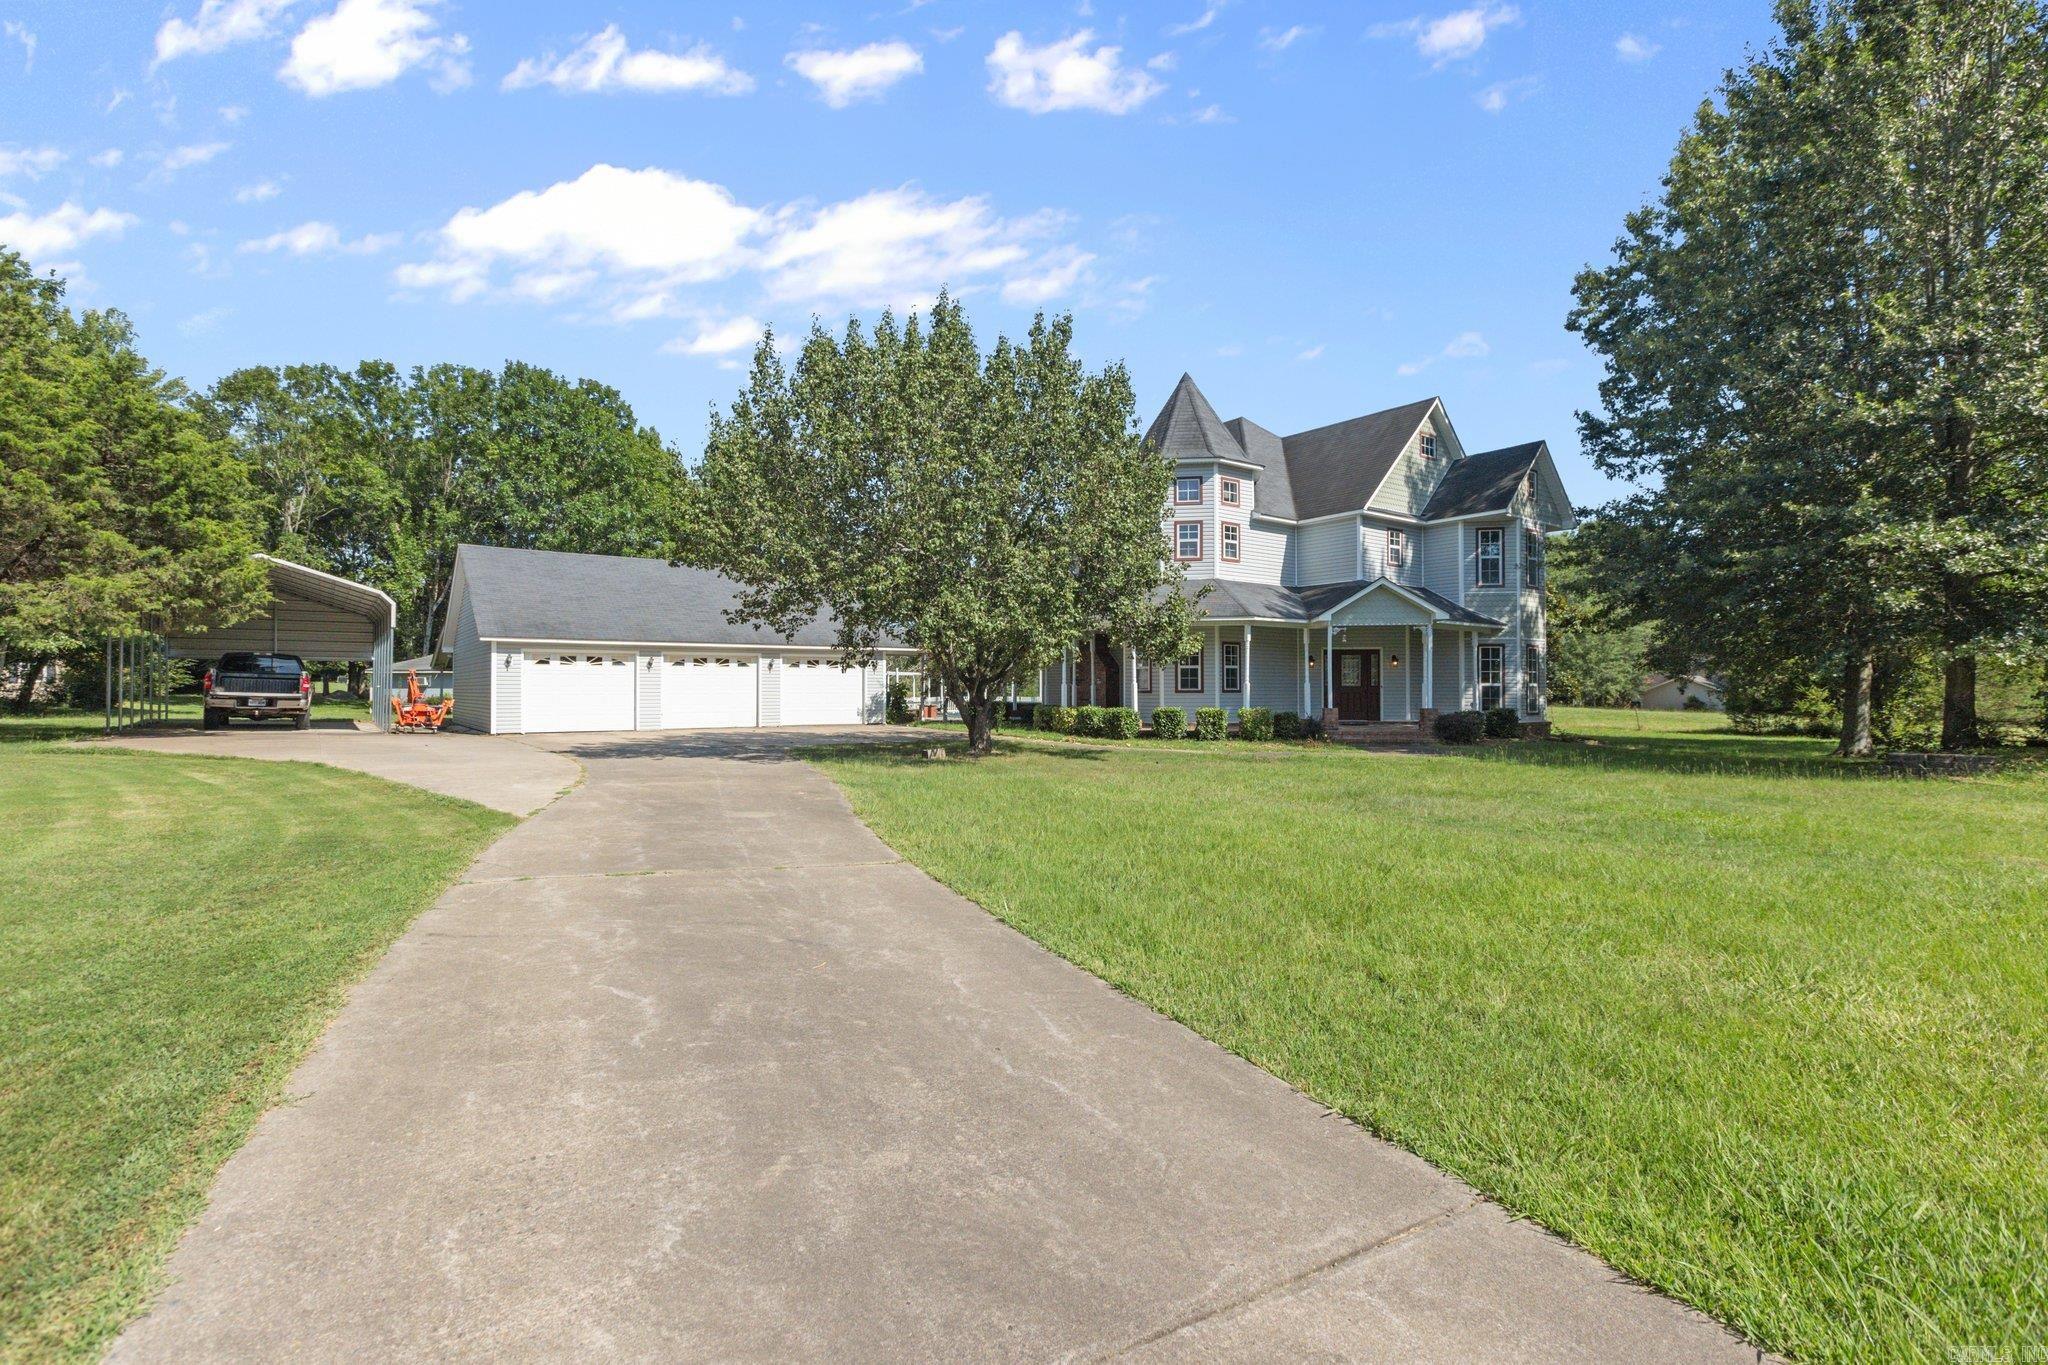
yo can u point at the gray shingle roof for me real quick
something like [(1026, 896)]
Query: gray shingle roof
[(1273, 491), (1486, 482), (1338, 467), (1231, 601), (1187, 428), (550, 595)]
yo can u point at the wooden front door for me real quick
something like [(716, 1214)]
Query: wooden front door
[(1101, 680), (1358, 684)]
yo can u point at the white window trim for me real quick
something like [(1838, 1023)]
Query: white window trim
[(1479, 674), (1479, 558), (1224, 667), (1199, 665)]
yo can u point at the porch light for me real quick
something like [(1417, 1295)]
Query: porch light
[(1393, 661)]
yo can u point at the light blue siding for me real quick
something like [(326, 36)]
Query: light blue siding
[(1328, 552)]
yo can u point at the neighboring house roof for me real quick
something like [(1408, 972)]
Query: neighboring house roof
[(550, 595), (1690, 681), (1230, 600), (1486, 482), (1339, 467)]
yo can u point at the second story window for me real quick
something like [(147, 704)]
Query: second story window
[(1187, 490), (1429, 445), (1532, 556), (1397, 550), (1187, 540), (1233, 541), (1230, 492), (1489, 556)]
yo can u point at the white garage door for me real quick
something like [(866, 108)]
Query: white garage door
[(709, 692), (576, 692), (819, 692)]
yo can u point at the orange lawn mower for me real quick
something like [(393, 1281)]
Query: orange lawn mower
[(416, 714)]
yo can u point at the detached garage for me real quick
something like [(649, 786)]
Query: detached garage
[(545, 643)]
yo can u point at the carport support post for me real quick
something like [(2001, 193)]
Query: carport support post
[(380, 677), (107, 683)]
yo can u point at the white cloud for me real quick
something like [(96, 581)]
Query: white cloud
[(1279, 40), (61, 229), (1066, 75), (861, 73), (218, 24), (1210, 113), (194, 154), (23, 35), (320, 239), (895, 247), (362, 44), (605, 64), (742, 333), (1463, 346), (199, 324), (1314, 352), (1199, 22), (232, 114), (1497, 97), (108, 159), (1629, 48), (258, 192), (33, 162), (1056, 275), (630, 241), (1451, 37)]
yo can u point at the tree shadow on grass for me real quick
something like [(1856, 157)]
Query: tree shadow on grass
[(1712, 752)]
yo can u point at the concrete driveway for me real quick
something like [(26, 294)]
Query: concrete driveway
[(691, 1066), (491, 770)]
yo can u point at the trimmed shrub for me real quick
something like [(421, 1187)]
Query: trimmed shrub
[(1503, 723), (1255, 723), (1287, 725), (1460, 727), (901, 711), (1311, 727), (1026, 713), (1088, 721), (1211, 722), (1169, 722), (1058, 719), (1120, 722)]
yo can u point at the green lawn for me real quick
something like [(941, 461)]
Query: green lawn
[(88, 722), (177, 932), (1764, 1030)]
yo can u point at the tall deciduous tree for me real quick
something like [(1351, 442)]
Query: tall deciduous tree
[(117, 511), (379, 474), (986, 511), (1823, 352)]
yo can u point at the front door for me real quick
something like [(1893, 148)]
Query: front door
[(1358, 684), (1101, 680)]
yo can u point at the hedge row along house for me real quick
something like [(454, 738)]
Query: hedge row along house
[(1372, 573)]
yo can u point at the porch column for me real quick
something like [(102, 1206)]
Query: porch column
[(1244, 671), (1131, 674), (1429, 667), (1306, 655), (1212, 677), (1329, 664), (1464, 642)]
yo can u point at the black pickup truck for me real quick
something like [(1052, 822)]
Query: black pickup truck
[(257, 686)]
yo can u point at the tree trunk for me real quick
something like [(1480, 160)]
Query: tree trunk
[(1959, 703), (979, 713), (355, 681), (25, 698), (1856, 679)]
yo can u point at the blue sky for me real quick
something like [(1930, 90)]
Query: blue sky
[(1318, 210)]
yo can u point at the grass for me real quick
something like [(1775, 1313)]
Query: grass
[(178, 931), (1767, 1031), (88, 722)]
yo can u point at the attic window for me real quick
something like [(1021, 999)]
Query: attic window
[(1397, 549), (1429, 445), (1231, 492), (1187, 490)]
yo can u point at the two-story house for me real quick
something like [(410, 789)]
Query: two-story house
[(1371, 572)]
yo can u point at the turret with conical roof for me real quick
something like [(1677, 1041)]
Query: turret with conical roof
[(1188, 428)]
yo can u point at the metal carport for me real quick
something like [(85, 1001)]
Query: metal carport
[(313, 614)]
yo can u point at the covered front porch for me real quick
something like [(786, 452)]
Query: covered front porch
[(1373, 658)]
